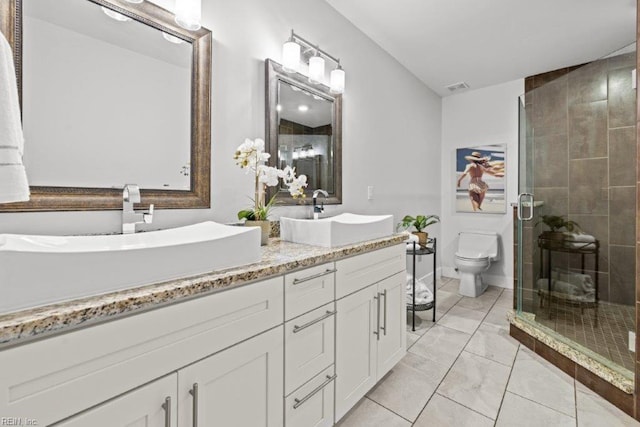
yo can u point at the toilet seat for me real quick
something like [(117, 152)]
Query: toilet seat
[(467, 258)]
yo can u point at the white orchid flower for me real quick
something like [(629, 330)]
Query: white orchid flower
[(268, 175)]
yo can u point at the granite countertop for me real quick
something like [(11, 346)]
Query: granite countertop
[(278, 257)]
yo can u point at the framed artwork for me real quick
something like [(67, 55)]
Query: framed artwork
[(480, 179)]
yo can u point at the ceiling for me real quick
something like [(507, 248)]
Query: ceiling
[(486, 42)]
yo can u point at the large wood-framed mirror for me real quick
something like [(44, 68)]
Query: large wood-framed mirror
[(304, 130), (112, 93)]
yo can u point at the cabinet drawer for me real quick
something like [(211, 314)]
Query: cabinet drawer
[(312, 404), (309, 346), (363, 270), (308, 289), (57, 377)]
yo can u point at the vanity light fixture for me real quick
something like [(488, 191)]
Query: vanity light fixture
[(189, 14), (316, 68), (337, 80), (291, 57)]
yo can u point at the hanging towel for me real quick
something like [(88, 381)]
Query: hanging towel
[(13, 178)]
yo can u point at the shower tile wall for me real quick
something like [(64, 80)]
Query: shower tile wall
[(582, 124)]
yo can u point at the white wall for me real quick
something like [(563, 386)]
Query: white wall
[(391, 126), (480, 117)]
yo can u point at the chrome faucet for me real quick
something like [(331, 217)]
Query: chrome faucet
[(317, 210), (131, 195)]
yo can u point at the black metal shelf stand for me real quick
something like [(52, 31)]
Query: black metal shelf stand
[(416, 251), (571, 247)]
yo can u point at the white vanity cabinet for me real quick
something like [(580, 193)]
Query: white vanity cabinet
[(152, 405), (297, 350), (57, 377), (309, 351), (370, 323), (238, 387)]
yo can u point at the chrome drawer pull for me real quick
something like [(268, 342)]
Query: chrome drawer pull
[(167, 411), (299, 402), (315, 276), (194, 392), (297, 328)]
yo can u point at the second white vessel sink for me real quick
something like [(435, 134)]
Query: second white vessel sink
[(37, 270), (339, 230)]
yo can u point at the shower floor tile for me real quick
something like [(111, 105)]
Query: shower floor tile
[(608, 336)]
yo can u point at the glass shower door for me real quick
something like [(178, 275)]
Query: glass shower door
[(576, 256)]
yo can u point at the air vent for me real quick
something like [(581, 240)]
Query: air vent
[(458, 86)]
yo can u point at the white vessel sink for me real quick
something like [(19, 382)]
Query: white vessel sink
[(339, 230), (36, 270)]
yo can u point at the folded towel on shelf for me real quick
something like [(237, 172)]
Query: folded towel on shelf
[(583, 282), (579, 237), (13, 178), (412, 238), (580, 245), (566, 291), (423, 293)]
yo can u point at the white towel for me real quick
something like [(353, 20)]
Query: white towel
[(13, 178), (423, 293), (580, 237)]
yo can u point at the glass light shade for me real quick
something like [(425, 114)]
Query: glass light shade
[(189, 14), (337, 81), (316, 69), (291, 56), (115, 15), (295, 154), (172, 39), (311, 152)]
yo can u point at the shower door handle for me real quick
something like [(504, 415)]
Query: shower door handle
[(521, 199)]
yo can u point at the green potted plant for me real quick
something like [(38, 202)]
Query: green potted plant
[(557, 225), (419, 222)]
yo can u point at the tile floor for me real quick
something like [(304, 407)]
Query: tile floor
[(465, 370)]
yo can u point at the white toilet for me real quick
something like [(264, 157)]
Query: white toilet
[(476, 251)]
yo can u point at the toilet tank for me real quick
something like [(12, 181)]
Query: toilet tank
[(474, 244)]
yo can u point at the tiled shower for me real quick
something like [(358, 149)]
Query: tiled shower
[(578, 157)]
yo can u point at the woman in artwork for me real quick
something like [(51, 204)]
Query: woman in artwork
[(477, 166)]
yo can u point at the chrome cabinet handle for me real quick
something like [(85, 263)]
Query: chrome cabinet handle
[(384, 328), (194, 392), (377, 331), (299, 402), (167, 411), (521, 196), (297, 328), (315, 276)]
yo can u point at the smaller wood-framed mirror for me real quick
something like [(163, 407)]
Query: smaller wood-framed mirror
[(304, 130)]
